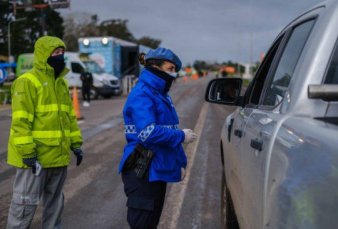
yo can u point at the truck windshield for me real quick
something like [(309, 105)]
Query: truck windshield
[(93, 67)]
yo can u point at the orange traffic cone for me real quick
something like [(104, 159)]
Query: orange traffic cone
[(194, 77), (76, 104)]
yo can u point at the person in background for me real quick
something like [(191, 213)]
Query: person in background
[(87, 83), (44, 129), (153, 154)]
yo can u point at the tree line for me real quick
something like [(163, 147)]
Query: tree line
[(201, 65), (42, 21)]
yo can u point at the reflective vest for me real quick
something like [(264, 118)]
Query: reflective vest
[(43, 121)]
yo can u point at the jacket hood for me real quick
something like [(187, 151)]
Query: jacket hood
[(43, 47)]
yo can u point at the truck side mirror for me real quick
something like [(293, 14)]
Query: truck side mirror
[(76, 68), (224, 91), (326, 92)]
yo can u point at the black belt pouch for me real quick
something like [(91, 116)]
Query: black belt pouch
[(139, 160)]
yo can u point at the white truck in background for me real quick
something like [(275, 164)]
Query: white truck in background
[(104, 84)]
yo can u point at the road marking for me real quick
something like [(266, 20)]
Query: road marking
[(178, 191)]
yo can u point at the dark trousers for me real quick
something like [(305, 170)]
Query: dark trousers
[(86, 93), (145, 200)]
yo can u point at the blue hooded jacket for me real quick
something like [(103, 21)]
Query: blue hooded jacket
[(151, 120)]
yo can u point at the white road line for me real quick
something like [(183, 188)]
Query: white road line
[(178, 191)]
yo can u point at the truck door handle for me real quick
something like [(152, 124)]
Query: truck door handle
[(238, 133), (229, 128), (256, 144)]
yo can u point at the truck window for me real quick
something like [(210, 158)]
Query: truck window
[(256, 86), (284, 71), (76, 68), (93, 67), (332, 73)]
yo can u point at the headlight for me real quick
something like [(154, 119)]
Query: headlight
[(86, 42), (104, 41), (114, 82), (106, 82)]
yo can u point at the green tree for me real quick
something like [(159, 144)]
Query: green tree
[(201, 65), (71, 33), (5, 15), (149, 42), (89, 29), (74, 29), (85, 25), (24, 33), (117, 28), (54, 23)]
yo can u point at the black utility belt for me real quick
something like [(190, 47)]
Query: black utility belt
[(139, 160)]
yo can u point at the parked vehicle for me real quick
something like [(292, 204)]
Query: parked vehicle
[(279, 147), (105, 84), (7, 71), (115, 56)]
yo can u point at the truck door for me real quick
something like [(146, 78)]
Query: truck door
[(129, 62), (231, 159), (235, 158), (265, 118)]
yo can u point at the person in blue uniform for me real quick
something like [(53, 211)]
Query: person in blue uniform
[(152, 126)]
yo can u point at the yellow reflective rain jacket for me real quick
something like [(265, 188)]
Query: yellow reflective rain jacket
[(43, 120)]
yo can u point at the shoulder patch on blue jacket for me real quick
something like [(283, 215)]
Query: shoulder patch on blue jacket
[(145, 133)]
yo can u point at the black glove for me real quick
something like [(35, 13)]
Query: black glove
[(79, 155), (33, 163)]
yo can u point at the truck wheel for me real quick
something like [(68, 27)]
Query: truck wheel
[(119, 93), (107, 96), (228, 215), (94, 94)]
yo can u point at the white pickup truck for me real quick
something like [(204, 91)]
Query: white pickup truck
[(104, 84), (279, 148)]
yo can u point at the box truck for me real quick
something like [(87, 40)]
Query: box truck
[(115, 56)]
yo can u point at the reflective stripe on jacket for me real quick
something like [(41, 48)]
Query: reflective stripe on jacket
[(43, 119), (150, 119)]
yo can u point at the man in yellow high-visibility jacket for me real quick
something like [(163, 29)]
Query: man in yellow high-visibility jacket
[(44, 130)]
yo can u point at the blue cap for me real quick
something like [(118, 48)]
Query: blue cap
[(164, 54)]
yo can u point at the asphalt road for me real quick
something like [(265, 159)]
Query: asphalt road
[(94, 196)]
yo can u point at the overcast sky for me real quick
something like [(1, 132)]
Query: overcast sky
[(213, 30)]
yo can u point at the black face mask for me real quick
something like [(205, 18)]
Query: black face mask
[(163, 75), (58, 63)]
